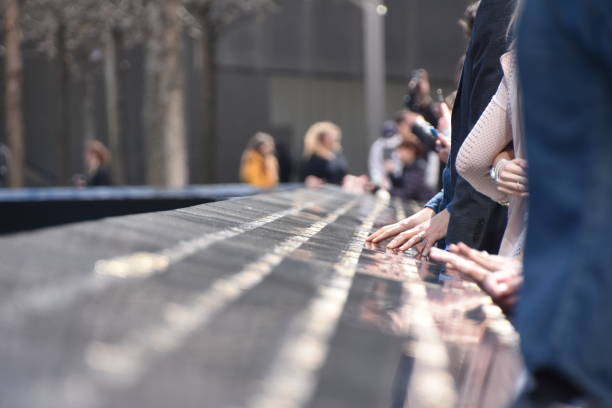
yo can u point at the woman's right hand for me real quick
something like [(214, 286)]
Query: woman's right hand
[(392, 230), (313, 182), (512, 178)]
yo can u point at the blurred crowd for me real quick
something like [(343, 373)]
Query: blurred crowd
[(514, 169), (525, 204), (405, 159), (526, 208)]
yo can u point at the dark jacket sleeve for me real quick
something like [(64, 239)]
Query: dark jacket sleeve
[(436, 202), (475, 219)]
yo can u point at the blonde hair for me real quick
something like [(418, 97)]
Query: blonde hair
[(312, 139)]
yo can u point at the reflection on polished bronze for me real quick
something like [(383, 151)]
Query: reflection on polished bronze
[(268, 301)]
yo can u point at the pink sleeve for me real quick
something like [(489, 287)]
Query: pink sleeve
[(488, 138)]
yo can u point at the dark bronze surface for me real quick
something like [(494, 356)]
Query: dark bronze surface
[(269, 301)]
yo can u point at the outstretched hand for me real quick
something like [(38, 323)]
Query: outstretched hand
[(464, 266), (423, 236), (500, 277), (482, 258), (503, 287), (394, 230)]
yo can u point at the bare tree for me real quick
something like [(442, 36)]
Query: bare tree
[(70, 31), (55, 26), (66, 29), (122, 19), (164, 112), (211, 18), (13, 93)]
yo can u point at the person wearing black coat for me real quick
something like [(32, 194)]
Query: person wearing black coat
[(475, 219), (461, 213), (410, 183), (323, 159), (98, 160)]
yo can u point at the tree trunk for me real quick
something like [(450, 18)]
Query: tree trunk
[(164, 111), (89, 109), (155, 166), (208, 95), (64, 137), (172, 98), (14, 113), (111, 85)]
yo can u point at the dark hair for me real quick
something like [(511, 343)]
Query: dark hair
[(96, 148), (467, 21), (415, 96), (417, 147)]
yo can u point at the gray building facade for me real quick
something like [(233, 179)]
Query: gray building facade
[(277, 72)]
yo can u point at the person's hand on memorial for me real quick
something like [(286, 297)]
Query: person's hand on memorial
[(464, 267), (425, 240), (392, 230), (357, 184), (500, 277), (512, 178), (490, 262), (503, 286)]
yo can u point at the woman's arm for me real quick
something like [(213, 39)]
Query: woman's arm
[(488, 138)]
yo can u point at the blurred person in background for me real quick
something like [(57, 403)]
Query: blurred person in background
[(410, 183), (97, 159), (384, 154), (323, 159), (413, 127), (405, 121), (259, 165), (418, 97), (4, 165)]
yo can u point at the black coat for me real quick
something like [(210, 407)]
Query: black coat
[(475, 219), (331, 171), (410, 185), (100, 177)]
